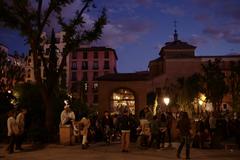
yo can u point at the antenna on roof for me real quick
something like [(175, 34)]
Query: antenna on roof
[(175, 31)]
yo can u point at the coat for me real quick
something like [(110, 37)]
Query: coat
[(86, 124)]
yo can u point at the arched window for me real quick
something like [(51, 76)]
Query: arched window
[(123, 99)]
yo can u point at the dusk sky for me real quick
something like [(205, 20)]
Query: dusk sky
[(137, 29)]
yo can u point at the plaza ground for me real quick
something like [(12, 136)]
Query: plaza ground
[(100, 151)]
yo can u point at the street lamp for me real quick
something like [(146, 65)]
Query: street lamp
[(166, 100), (200, 102)]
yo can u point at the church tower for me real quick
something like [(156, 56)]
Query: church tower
[(177, 48)]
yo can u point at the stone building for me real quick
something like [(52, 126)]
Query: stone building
[(85, 66), (133, 90)]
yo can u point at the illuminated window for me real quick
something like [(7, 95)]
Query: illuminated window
[(123, 99)]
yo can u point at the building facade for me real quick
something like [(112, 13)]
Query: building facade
[(60, 44), (176, 59), (86, 65)]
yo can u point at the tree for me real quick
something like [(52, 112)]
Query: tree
[(30, 18), (186, 90), (214, 83), (234, 84), (11, 71), (10, 74)]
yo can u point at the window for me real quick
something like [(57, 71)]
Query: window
[(95, 75), (95, 87), (74, 87), (95, 98), (84, 65), (85, 76), (95, 64), (123, 99), (106, 65), (85, 86), (74, 55), (74, 65), (95, 55), (85, 98), (106, 55), (74, 76), (85, 55)]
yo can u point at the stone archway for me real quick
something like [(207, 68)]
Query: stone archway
[(122, 99)]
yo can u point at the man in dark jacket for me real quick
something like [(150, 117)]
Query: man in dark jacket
[(125, 129), (184, 126)]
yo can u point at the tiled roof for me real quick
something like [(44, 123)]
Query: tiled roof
[(178, 45), (138, 76)]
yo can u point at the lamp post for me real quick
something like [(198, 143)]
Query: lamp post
[(200, 102), (166, 100)]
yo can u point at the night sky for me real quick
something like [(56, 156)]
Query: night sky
[(137, 29)]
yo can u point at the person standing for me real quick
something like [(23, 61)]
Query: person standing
[(125, 129), (12, 130), (85, 122), (163, 129), (107, 124), (155, 135), (169, 128), (184, 126), (212, 125), (20, 120)]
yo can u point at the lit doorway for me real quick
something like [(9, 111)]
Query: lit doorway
[(122, 99)]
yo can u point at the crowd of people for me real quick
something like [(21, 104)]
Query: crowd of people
[(15, 126), (146, 130)]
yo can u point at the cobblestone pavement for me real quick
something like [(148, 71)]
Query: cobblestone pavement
[(100, 151)]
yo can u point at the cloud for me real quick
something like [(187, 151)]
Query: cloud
[(197, 40), (124, 31), (220, 19), (230, 9), (172, 10), (144, 2), (228, 33), (202, 17)]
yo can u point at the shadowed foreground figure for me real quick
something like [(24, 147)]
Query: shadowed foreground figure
[(184, 126), (125, 129)]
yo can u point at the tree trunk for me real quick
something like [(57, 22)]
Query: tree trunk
[(49, 117)]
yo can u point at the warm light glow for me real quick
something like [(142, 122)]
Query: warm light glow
[(203, 97), (9, 91), (166, 100), (66, 102), (200, 102)]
